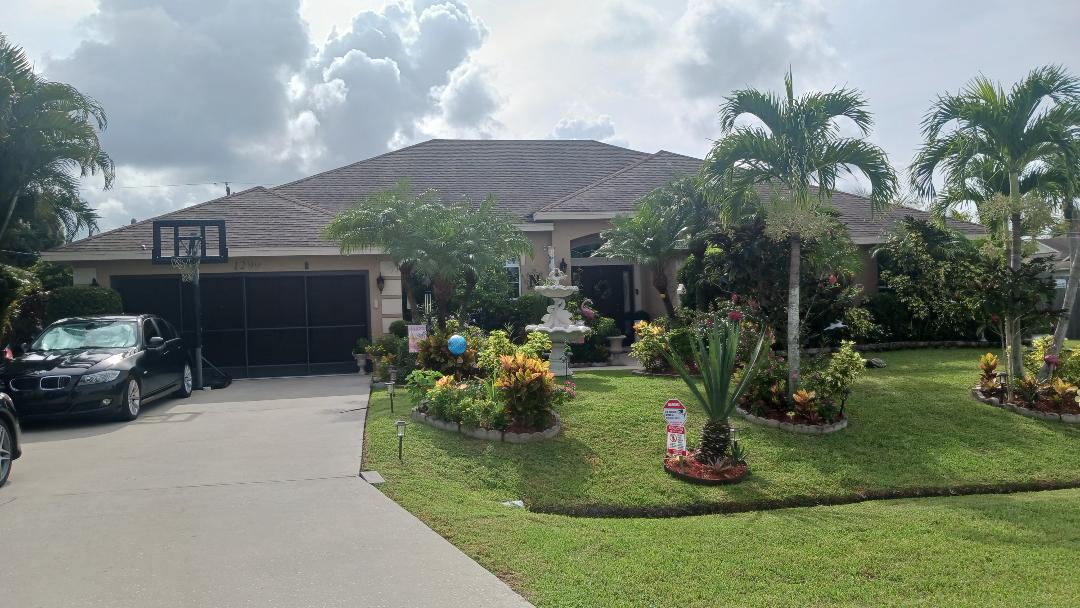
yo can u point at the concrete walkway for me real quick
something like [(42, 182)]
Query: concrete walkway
[(243, 497)]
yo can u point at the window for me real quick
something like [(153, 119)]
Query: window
[(167, 330), (513, 278), (149, 331)]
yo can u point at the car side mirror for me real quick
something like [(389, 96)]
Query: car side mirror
[(155, 342), (24, 347)]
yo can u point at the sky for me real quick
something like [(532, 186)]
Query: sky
[(260, 92)]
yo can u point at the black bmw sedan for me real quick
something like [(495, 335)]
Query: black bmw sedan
[(101, 364)]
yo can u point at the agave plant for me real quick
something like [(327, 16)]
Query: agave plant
[(716, 358)]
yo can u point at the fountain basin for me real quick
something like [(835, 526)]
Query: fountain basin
[(556, 291)]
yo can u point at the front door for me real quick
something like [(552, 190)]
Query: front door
[(611, 289)]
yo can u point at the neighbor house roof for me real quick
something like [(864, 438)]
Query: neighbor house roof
[(536, 180)]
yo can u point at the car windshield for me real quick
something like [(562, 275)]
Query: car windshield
[(88, 334)]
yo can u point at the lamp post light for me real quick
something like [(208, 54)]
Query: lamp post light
[(390, 389), (400, 424)]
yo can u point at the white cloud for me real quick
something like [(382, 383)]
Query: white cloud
[(600, 128)]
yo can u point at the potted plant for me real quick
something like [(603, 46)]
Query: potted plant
[(359, 352), (716, 459)]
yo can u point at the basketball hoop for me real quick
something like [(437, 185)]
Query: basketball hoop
[(188, 268), (187, 263)]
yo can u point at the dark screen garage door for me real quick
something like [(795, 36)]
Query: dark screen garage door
[(257, 325)]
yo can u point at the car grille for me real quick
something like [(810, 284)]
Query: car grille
[(46, 383)]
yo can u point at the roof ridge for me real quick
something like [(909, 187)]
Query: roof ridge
[(296, 201), (93, 237), (585, 189), (353, 164)]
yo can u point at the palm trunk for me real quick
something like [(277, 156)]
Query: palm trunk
[(1014, 332), (442, 291), (407, 294), (660, 282), (9, 214), (1071, 285), (793, 316)]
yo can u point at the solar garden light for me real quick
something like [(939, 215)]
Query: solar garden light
[(393, 374), (400, 424), (390, 389)]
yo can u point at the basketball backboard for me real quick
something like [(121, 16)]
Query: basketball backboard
[(186, 239)]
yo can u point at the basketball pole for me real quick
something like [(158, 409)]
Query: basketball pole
[(196, 295)]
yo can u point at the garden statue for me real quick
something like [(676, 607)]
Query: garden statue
[(557, 322)]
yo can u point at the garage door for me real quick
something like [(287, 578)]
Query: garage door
[(258, 325)]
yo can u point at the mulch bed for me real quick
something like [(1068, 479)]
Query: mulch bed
[(695, 472)]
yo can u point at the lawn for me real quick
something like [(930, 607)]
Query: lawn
[(912, 426), (914, 429)]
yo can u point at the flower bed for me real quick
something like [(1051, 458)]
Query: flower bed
[(1069, 418), (817, 407), (509, 436), (1053, 399), (689, 469), (492, 389), (806, 429)]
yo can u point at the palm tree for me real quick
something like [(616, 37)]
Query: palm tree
[(486, 238), (48, 133), (386, 220), (447, 244), (1014, 133), (652, 237), (795, 155)]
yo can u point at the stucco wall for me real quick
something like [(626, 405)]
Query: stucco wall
[(384, 307)]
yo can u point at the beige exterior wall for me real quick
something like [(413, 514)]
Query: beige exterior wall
[(384, 307)]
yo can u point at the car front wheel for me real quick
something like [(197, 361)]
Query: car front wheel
[(131, 400), (7, 452), (186, 383)]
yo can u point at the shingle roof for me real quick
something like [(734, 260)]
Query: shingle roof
[(524, 175), (620, 191), (256, 217)]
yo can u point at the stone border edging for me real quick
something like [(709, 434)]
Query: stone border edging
[(1023, 411), (489, 434), (804, 429)]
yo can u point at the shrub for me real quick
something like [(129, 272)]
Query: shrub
[(497, 344), (419, 382), (595, 347), (537, 345), (526, 385), (435, 355), (82, 300), (834, 383), (1065, 366), (399, 328), (988, 364), (649, 346)]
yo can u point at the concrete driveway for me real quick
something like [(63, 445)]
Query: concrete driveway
[(248, 496)]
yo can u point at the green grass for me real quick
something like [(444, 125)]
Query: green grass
[(912, 425), (913, 429)]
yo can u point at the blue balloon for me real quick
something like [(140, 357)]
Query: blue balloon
[(456, 344)]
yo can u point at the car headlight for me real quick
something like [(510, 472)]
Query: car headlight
[(98, 377)]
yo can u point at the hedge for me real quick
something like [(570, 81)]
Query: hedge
[(82, 300)]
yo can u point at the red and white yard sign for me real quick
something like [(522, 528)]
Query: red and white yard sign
[(675, 416)]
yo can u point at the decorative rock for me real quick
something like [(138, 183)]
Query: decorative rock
[(515, 437), (875, 363), (1071, 418)]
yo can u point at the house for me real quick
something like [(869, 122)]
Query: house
[(288, 302)]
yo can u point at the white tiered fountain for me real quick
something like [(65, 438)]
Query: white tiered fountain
[(557, 323)]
